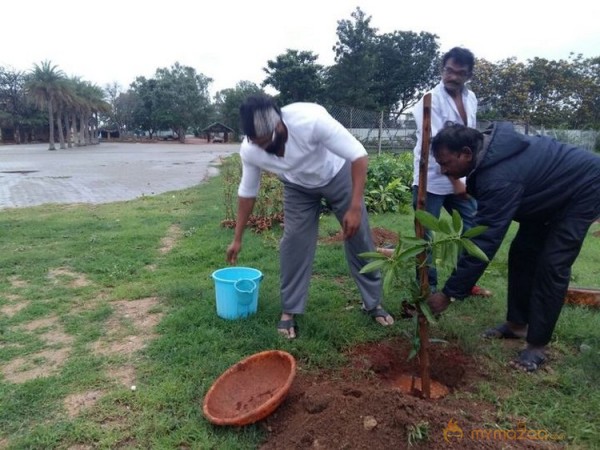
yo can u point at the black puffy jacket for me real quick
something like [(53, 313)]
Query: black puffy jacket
[(521, 178)]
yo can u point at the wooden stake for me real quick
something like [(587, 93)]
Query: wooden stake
[(422, 258)]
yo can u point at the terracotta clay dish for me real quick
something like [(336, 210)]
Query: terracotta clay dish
[(251, 389)]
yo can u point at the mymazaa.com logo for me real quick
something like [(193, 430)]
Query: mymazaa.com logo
[(454, 433)]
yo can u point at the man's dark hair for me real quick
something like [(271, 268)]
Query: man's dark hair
[(460, 55), (258, 110), (455, 137)]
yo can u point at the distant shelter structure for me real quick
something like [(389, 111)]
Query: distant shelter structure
[(217, 132)]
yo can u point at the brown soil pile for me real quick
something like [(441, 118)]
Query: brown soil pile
[(381, 237), (358, 407)]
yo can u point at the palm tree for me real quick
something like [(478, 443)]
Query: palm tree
[(89, 101), (97, 105), (46, 85)]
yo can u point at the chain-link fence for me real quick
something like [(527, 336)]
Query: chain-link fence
[(379, 132), (375, 130)]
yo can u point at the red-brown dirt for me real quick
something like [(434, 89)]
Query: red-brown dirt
[(381, 237), (358, 407)]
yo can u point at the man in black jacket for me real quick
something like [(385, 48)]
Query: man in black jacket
[(553, 191)]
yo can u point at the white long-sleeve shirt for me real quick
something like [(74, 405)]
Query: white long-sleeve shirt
[(443, 109), (316, 149)]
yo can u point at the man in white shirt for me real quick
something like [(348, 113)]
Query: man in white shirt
[(315, 157), (451, 101)]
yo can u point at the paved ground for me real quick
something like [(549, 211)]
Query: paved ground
[(32, 175)]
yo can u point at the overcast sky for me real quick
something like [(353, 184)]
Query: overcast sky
[(229, 40)]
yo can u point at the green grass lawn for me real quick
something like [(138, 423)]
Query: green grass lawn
[(83, 287)]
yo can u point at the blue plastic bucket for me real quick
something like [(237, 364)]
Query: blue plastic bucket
[(236, 291)]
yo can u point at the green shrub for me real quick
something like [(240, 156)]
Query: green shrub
[(268, 209), (388, 188), (389, 182)]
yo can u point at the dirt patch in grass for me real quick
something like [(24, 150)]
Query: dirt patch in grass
[(124, 375), (13, 308), (79, 447), (45, 362), (45, 322), (17, 282), (360, 407), (130, 327), (168, 242), (381, 237), (54, 333), (67, 276), (40, 364), (76, 403)]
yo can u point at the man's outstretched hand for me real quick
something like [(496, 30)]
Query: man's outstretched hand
[(438, 302), (232, 252)]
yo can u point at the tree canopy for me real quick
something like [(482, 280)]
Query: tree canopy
[(296, 75), (228, 101), (562, 93), (372, 72)]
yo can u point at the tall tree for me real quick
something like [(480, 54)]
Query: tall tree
[(504, 90), (550, 88), (182, 98), (112, 91), (296, 76), (351, 80), (46, 85), (123, 111), (407, 66), (17, 111), (586, 91), (482, 84), (144, 105), (228, 101)]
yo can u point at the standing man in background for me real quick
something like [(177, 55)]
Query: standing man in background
[(451, 101)]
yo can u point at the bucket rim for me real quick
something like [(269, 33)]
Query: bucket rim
[(259, 274)]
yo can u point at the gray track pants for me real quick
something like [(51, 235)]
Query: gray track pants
[(302, 207)]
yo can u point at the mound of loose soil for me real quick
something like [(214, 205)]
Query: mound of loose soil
[(381, 236), (359, 407)]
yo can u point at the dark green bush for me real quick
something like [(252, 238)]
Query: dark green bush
[(389, 182), (388, 187)]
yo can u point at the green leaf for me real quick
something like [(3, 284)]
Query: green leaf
[(473, 250), (372, 255), (445, 225), (428, 220), (411, 252), (373, 266), (416, 346), (475, 231), (388, 281), (413, 353), (427, 312), (457, 223), (454, 249), (412, 240)]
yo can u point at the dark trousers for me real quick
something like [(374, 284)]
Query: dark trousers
[(539, 266)]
